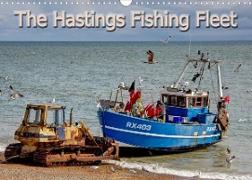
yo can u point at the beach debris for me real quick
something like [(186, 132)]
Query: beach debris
[(112, 169), (237, 68), (132, 171), (14, 94), (94, 167), (229, 156)]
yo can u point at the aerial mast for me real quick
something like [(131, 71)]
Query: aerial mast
[(219, 81)]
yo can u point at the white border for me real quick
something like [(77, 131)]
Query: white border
[(114, 2)]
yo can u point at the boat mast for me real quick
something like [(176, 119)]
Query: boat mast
[(202, 60), (219, 81)]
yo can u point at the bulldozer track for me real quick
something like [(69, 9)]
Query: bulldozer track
[(12, 151), (56, 158)]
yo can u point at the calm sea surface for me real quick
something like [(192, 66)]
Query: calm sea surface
[(75, 74)]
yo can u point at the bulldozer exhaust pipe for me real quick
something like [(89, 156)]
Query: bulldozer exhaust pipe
[(71, 116)]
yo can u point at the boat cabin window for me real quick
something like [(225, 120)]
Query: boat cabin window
[(181, 101), (198, 101), (205, 101), (55, 117), (34, 116), (172, 100), (165, 99)]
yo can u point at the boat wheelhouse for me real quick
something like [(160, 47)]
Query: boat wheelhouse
[(186, 106)]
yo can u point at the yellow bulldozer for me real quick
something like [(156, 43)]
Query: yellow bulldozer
[(48, 139)]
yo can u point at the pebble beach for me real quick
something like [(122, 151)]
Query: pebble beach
[(104, 171)]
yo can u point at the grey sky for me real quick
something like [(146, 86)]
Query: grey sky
[(9, 30)]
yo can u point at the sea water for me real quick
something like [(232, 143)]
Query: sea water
[(76, 74)]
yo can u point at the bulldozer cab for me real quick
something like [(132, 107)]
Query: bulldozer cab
[(49, 115)]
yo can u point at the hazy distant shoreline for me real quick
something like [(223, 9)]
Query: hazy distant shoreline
[(157, 41)]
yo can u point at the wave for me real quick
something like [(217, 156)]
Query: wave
[(155, 168), (243, 120)]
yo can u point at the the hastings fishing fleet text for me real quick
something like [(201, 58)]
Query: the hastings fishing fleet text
[(112, 22)]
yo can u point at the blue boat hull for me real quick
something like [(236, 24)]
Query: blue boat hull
[(151, 134)]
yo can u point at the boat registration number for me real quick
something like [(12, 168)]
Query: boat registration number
[(211, 128), (143, 127)]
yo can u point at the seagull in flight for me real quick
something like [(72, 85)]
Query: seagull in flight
[(165, 41), (237, 68), (14, 94), (229, 157)]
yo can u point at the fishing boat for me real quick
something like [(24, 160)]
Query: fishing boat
[(181, 120)]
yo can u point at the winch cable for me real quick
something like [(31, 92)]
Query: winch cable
[(202, 70), (194, 71), (184, 79)]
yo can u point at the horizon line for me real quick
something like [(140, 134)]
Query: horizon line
[(124, 41)]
